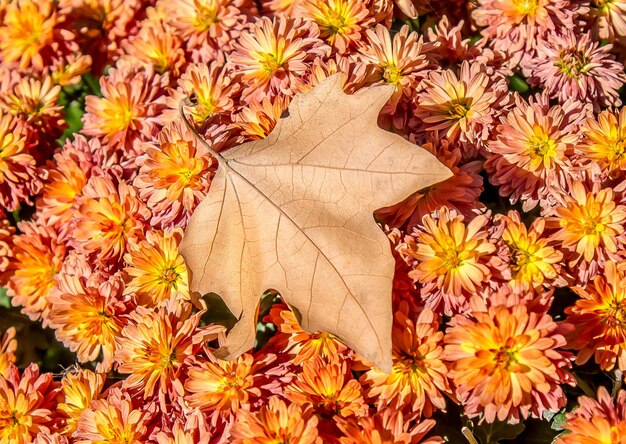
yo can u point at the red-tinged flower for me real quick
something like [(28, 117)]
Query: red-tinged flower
[(386, 427), (604, 141), (68, 70), (341, 22), (193, 429), (112, 420), (532, 261), (529, 157), (211, 85), (591, 223), (222, 388), (275, 422), (28, 32), (156, 270), (155, 45), (274, 57), (109, 219), (27, 404), (67, 175), (78, 390), (598, 320), (257, 119), (86, 309), (129, 109), (596, 421), (418, 378), (7, 232), (38, 254), (608, 18), (504, 360), (572, 66), (155, 344), (19, 177), (329, 387), (50, 438), (462, 106), (8, 346), (216, 22), (452, 254), (174, 176)]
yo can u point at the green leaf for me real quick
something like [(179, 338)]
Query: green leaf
[(73, 113), (5, 301), (518, 84)]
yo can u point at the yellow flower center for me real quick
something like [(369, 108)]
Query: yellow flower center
[(392, 74), (593, 226), (541, 145), (573, 64), (506, 355), (335, 23), (451, 258), (169, 276), (206, 17), (617, 313), (459, 109), (525, 7), (270, 63)]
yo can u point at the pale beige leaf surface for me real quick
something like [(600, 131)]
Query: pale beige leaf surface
[(293, 212)]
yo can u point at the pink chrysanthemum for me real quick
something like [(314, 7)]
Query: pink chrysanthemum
[(529, 155), (572, 66), (273, 57), (608, 18)]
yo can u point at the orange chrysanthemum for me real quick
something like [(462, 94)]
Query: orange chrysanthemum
[(27, 32), (85, 310), (504, 360), (532, 261), (156, 269), (599, 320), (78, 390), (7, 232), (8, 345), (68, 70), (38, 254), (329, 388), (36, 101), (596, 421), (590, 223), (174, 176), (109, 218), (273, 56), (418, 378), (257, 119), (222, 387), (27, 404), (604, 141), (387, 427), (131, 103), (276, 422), (112, 420)]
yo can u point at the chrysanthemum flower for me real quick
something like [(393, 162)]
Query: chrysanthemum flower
[(8, 345), (50, 438), (19, 177), (257, 119), (207, 21), (572, 66), (604, 141), (112, 420), (452, 255), (532, 261), (588, 221), (599, 320), (27, 404), (193, 429), (276, 422), (86, 310), (154, 345), (27, 32), (174, 176), (68, 70), (463, 106), (157, 45), (596, 421), (529, 156), (212, 86), (386, 426), (273, 56), (609, 18), (504, 360), (38, 254), (329, 387), (36, 102), (401, 62), (78, 390), (418, 378), (67, 175), (131, 103), (222, 388), (109, 218), (340, 22), (156, 269), (6, 247)]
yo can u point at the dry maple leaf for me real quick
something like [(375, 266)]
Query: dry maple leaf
[(293, 212)]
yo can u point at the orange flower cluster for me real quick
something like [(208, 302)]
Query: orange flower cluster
[(495, 307)]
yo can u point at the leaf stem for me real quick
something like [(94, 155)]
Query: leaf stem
[(469, 435), (190, 127)]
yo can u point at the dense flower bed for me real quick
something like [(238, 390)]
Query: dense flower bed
[(510, 290)]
